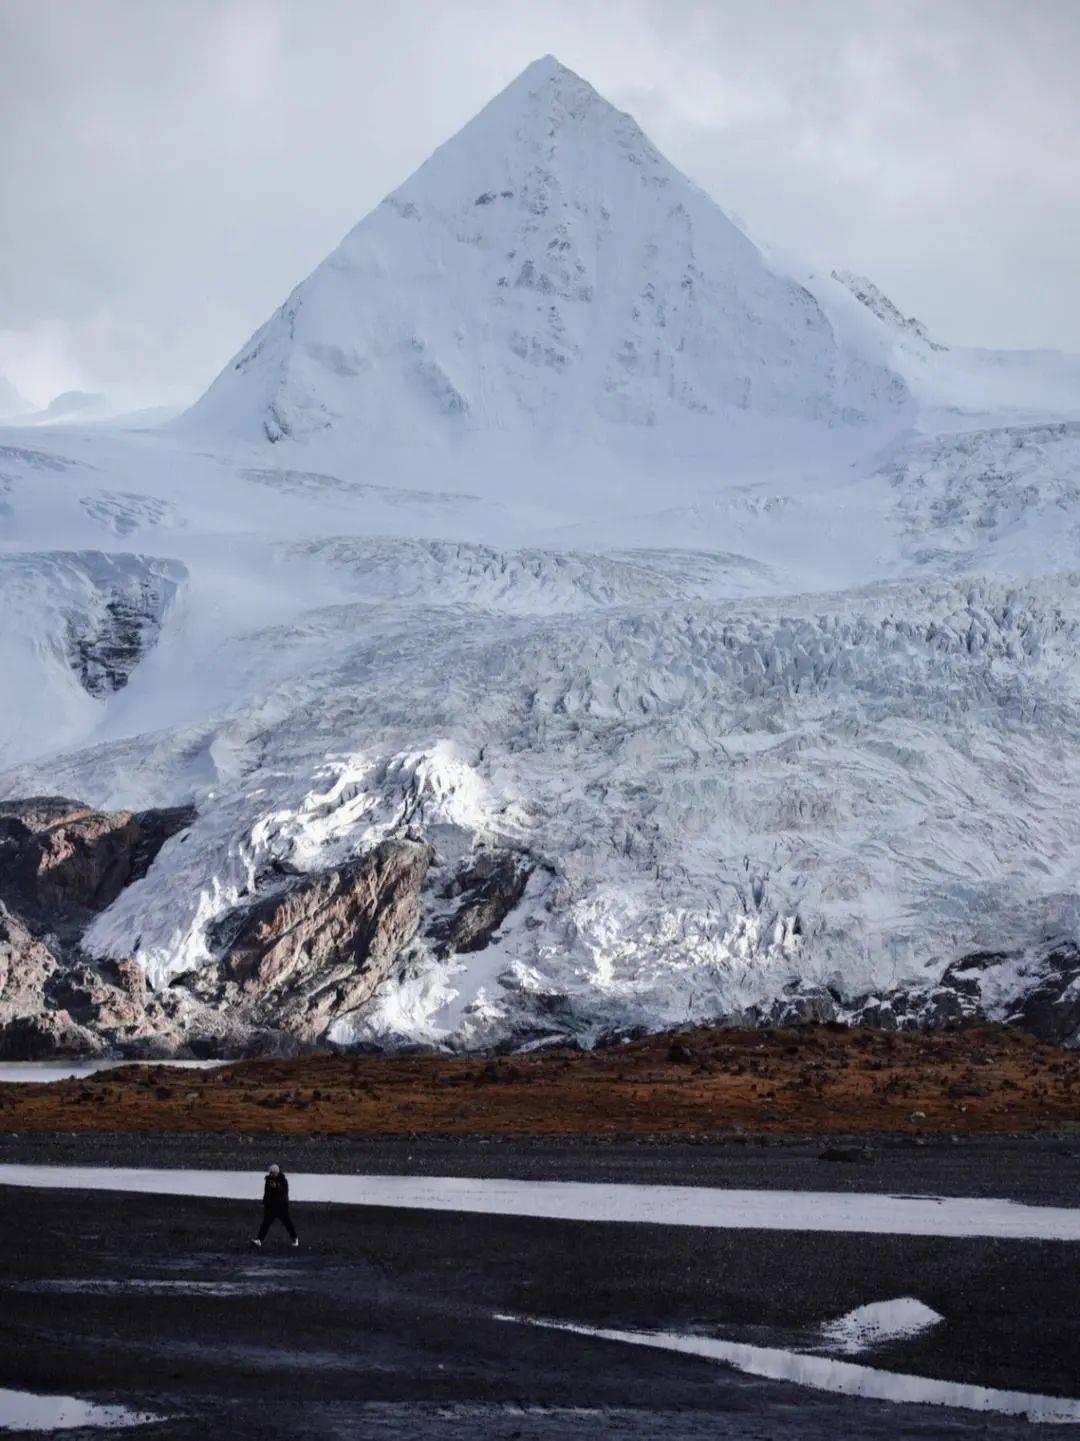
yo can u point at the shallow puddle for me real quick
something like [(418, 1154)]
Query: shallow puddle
[(879, 1322)]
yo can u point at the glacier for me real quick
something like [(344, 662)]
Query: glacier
[(553, 518)]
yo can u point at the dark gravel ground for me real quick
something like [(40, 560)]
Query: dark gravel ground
[(383, 1324)]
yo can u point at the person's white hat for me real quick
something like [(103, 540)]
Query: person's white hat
[(275, 1170)]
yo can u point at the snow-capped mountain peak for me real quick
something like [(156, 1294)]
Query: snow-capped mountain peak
[(545, 277), (559, 618)]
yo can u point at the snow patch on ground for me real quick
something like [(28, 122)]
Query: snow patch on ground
[(27, 1411), (879, 1321)]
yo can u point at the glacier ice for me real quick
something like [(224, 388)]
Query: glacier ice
[(551, 516)]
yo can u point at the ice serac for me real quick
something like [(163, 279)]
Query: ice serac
[(546, 277)]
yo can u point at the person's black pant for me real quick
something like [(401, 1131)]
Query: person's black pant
[(269, 1217)]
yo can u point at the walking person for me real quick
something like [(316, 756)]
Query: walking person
[(275, 1206)]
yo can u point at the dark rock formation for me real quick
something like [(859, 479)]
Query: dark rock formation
[(1048, 1008), (105, 655), (319, 946), (115, 614), (60, 859), (53, 1033), (490, 887), (60, 863)]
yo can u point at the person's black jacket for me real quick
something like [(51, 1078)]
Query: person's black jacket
[(276, 1193)]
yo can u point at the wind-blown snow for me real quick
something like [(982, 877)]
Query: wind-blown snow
[(548, 514)]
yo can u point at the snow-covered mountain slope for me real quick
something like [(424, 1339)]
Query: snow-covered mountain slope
[(958, 387), (719, 636), (546, 285)]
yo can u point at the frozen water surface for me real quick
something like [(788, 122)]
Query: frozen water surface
[(705, 1206)]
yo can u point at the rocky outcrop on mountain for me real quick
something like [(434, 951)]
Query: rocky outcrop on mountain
[(489, 887), (879, 304), (317, 948), (106, 646), (26, 965), (81, 620), (52, 1033), (60, 859), (290, 960), (1050, 1007), (1039, 994), (60, 863)]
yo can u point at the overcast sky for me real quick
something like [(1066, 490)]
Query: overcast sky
[(172, 168)]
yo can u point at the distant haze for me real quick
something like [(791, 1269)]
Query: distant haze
[(171, 170)]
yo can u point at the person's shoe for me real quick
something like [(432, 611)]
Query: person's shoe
[(256, 1243), (296, 1240)]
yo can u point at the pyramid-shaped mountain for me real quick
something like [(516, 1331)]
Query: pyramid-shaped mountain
[(545, 279)]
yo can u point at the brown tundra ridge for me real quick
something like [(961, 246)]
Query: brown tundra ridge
[(810, 1079)]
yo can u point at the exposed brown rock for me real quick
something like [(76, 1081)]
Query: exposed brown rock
[(26, 965), (60, 862), (59, 858), (319, 947)]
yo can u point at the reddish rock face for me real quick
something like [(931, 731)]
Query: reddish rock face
[(60, 862), (322, 946), (59, 856), (26, 965)]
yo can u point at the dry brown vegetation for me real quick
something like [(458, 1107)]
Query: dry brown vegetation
[(811, 1079)]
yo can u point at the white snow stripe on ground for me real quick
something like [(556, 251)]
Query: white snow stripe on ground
[(845, 1378), (706, 1206)]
